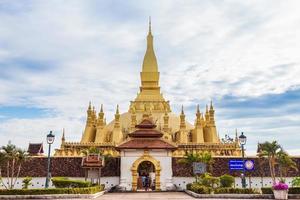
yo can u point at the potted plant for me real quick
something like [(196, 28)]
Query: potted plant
[(280, 190)]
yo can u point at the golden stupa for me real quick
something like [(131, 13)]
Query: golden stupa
[(202, 136)]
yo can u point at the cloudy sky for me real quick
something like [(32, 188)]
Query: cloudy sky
[(56, 56)]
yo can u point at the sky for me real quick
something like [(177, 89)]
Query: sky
[(56, 56)]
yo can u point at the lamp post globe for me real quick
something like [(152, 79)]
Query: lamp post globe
[(50, 140), (242, 141)]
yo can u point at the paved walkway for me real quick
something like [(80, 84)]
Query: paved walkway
[(150, 196), (146, 195)]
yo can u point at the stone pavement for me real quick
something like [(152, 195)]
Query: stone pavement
[(150, 196), (145, 196)]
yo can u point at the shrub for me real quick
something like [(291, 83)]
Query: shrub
[(294, 190), (26, 182), (267, 190), (63, 182), (226, 180), (230, 190), (296, 182), (208, 180), (188, 186), (200, 189), (87, 190)]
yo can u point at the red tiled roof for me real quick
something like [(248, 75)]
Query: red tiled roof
[(149, 143), (35, 148), (142, 133), (146, 123)]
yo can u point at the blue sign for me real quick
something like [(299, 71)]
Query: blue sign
[(236, 165), (240, 165)]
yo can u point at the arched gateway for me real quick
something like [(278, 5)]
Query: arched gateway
[(146, 145), (136, 165)]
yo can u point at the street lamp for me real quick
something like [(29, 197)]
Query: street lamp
[(50, 140), (242, 141)]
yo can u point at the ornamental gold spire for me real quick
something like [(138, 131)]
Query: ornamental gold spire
[(150, 90), (150, 74)]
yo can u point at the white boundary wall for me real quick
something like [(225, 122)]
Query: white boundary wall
[(256, 182), (39, 182)]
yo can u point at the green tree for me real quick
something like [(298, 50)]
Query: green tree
[(13, 158), (285, 163), (271, 151)]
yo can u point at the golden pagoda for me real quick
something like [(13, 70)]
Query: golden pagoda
[(187, 137)]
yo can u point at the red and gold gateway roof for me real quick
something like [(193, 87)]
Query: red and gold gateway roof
[(146, 137)]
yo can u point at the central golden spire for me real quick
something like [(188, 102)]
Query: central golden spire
[(150, 63), (149, 98), (150, 74)]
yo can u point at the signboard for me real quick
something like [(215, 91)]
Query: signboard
[(236, 165), (240, 165), (199, 168)]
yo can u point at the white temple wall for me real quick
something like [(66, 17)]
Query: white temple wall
[(39, 182), (256, 182)]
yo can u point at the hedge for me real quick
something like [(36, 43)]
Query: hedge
[(188, 186), (294, 190), (230, 190), (63, 182), (200, 189), (87, 190), (267, 190)]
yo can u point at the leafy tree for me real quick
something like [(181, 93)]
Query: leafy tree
[(285, 162), (13, 158), (271, 151)]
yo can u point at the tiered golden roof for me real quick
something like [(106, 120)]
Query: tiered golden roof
[(202, 136)]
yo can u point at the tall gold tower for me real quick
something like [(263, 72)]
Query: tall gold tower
[(200, 136)]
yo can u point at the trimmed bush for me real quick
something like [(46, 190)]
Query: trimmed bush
[(87, 190), (26, 182), (63, 182), (294, 190), (226, 180), (188, 186), (236, 191), (200, 189), (296, 182), (267, 190)]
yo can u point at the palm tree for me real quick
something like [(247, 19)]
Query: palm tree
[(285, 162), (13, 157), (271, 151)]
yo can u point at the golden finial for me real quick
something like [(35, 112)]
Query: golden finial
[(149, 24), (198, 109), (90, 105), (117, 111), (182, 112), (63, 135), (211, 105), (101, 109)]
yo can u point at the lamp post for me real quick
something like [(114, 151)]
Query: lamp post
[(50, 140), (242, 141)]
